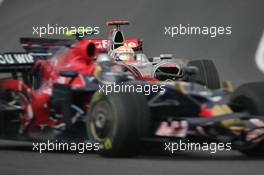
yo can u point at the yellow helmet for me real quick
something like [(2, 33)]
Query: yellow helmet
[(123, 53)]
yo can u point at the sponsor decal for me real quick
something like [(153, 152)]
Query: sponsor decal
[(103, 43), (107, 144), (16, 58)]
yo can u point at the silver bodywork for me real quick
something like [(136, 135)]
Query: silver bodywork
[(148, 67)]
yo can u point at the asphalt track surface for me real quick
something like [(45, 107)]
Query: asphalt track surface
[(233, 55)]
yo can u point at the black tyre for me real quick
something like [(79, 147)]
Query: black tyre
[(207, 74), (118, 122), (250, 98)]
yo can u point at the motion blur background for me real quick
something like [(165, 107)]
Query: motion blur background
[(232, 54)]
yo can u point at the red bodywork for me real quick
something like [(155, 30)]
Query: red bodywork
[(74, 59), (36, 103)]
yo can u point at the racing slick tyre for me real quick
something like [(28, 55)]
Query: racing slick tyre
[(118, 122), (249, 98), (207, 74)]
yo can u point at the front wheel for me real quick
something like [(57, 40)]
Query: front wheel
[(250, 98), (207, 74), (118, 122)]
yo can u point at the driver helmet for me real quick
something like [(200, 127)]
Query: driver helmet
[(123, 53)]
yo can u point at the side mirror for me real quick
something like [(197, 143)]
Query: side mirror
[(70, 74)]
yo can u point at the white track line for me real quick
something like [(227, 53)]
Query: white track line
[(259, 57)]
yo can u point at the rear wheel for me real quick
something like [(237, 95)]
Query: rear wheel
[(249, 98), (118, 122), (207, 74)]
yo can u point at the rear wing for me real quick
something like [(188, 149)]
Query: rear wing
[(39, 48), (15, 61), (16, 65), (20, 63)]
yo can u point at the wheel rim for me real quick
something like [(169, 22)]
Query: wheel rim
[(101, 121)]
